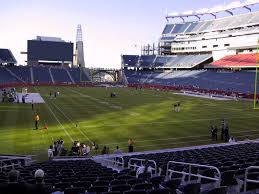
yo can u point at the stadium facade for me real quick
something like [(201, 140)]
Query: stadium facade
[(190, 42)]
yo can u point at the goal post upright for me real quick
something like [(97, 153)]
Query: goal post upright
[(256, 74)]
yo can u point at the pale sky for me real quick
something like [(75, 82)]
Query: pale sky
[(110, 27)]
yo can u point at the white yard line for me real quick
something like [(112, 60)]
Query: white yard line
[(64, 129), (110, 105), (69, 136), (70, 120)]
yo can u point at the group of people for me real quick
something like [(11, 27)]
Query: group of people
[(54, 94), (57, 149), (224, 131), (177, 106), (80, 149), (9, 95), (15, 186), (113, 95)]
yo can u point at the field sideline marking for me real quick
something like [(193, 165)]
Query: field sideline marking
[(181, 142), (176, 138), (64, 129), (162, 122), (71, 122)]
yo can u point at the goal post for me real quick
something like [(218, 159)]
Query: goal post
[(256, 75)]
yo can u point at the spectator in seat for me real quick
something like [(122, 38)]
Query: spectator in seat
[(39, 187), (105, 150), (13, 186), (145, 170), (117, 150)]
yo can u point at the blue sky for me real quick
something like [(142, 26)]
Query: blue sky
[(110, 27)]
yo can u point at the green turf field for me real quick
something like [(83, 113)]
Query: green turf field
[(146, 116)]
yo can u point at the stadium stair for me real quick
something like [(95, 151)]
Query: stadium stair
[(14, 75), (51, 76), (32, 75), (71, 78)]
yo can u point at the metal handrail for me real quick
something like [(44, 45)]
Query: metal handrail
[(141, 162), (3, 166), (189, 173), (249, 180)]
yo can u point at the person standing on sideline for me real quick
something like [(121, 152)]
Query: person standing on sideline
[(32, 105), (130, 144), (226, 133), (223, 126), (37, 120), (50, 152), (117, 150)]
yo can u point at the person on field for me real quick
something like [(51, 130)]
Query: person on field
[(117, 150), (32, 105), (37, 120), (211, 132), (50, 152), (86, 150), (226, 133), (223, 126), (130, 145)]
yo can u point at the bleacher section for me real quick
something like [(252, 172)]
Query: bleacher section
[(175, 61), (60, 75), (236, 61), (225, 166), (6, 56), (78, 75), (6, 76), (231, 160), (41, 75), (22, 72), (130, 60), (213, 25), (242, 81)]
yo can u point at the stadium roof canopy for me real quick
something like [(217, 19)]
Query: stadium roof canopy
[(213, 11)]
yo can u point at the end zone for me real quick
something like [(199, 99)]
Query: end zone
[(31, 97)]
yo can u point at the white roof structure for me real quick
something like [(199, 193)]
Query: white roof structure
[(51, 39), (214, 10)]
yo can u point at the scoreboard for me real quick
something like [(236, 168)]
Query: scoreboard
[(49, 51)]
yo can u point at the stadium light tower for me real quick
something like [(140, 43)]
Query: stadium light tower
[(79, 59)]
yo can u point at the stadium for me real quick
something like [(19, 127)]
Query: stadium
[(181, 117)]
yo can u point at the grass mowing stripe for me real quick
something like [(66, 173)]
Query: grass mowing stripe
[(71, 121), (68, 135)]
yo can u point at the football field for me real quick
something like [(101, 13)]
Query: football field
[(147, 116)]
